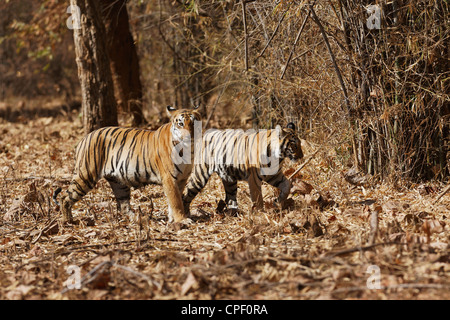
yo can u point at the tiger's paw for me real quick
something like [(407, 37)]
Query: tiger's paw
[(129, 217), (230, 210), (67, 221), (276, 205), (284, 205), (187, 221), (132, 217), (186, 209), (183, 224)]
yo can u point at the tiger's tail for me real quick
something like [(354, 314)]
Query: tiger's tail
[(55, 195)]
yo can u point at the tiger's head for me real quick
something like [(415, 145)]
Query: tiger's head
[(182, 123), (290, 144)]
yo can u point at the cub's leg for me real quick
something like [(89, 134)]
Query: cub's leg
[(195, 184), (231, 194), (279, 181), (122, 193), (254, 184)]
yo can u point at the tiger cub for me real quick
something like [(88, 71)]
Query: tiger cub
[(235, 155), (131, 157)]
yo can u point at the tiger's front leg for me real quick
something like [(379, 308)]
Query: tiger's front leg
[(284, 185), (176, 208), (254, 184), (231, 188), (285, 188)]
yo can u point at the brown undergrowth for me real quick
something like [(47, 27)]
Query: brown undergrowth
[(332, 242)]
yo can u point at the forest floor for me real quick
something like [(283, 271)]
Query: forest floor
[(336, 241)]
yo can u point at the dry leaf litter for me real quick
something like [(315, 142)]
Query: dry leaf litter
[(321, 247)]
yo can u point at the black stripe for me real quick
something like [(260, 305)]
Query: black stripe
[(274, 177), (178, 169), (122, 145)]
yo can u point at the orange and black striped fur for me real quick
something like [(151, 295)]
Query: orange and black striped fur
[(235, 155), (130, 157)]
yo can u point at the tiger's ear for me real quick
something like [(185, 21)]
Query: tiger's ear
[(196, 112), (170, 109), (291, 126)]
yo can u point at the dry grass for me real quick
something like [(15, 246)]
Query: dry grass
[(321, 248)]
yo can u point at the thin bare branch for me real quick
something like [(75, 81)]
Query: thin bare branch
[(295, 43), (333, 58), (283, 15)]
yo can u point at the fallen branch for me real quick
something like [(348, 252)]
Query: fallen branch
[(396, 286), (65, 179), (91, 275), (125, 242), (356, 249), (51, 224), (150, 281), (442, 193)]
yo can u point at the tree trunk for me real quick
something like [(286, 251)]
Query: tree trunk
[(123, 58), (98, 103)]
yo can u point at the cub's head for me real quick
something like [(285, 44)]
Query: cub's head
[(182, 123), (290, 144)]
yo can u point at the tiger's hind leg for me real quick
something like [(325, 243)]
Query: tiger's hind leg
[(195, 184), (77, 190), (122, 193)]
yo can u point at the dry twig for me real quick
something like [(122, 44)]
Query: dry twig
[(446, 189)]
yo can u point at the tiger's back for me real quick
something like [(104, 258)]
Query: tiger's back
[(116, 153)]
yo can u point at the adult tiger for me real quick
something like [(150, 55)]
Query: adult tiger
[(235, 155), (131, 157)]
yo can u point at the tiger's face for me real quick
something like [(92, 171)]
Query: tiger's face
[(183, 121), (290, 144)]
